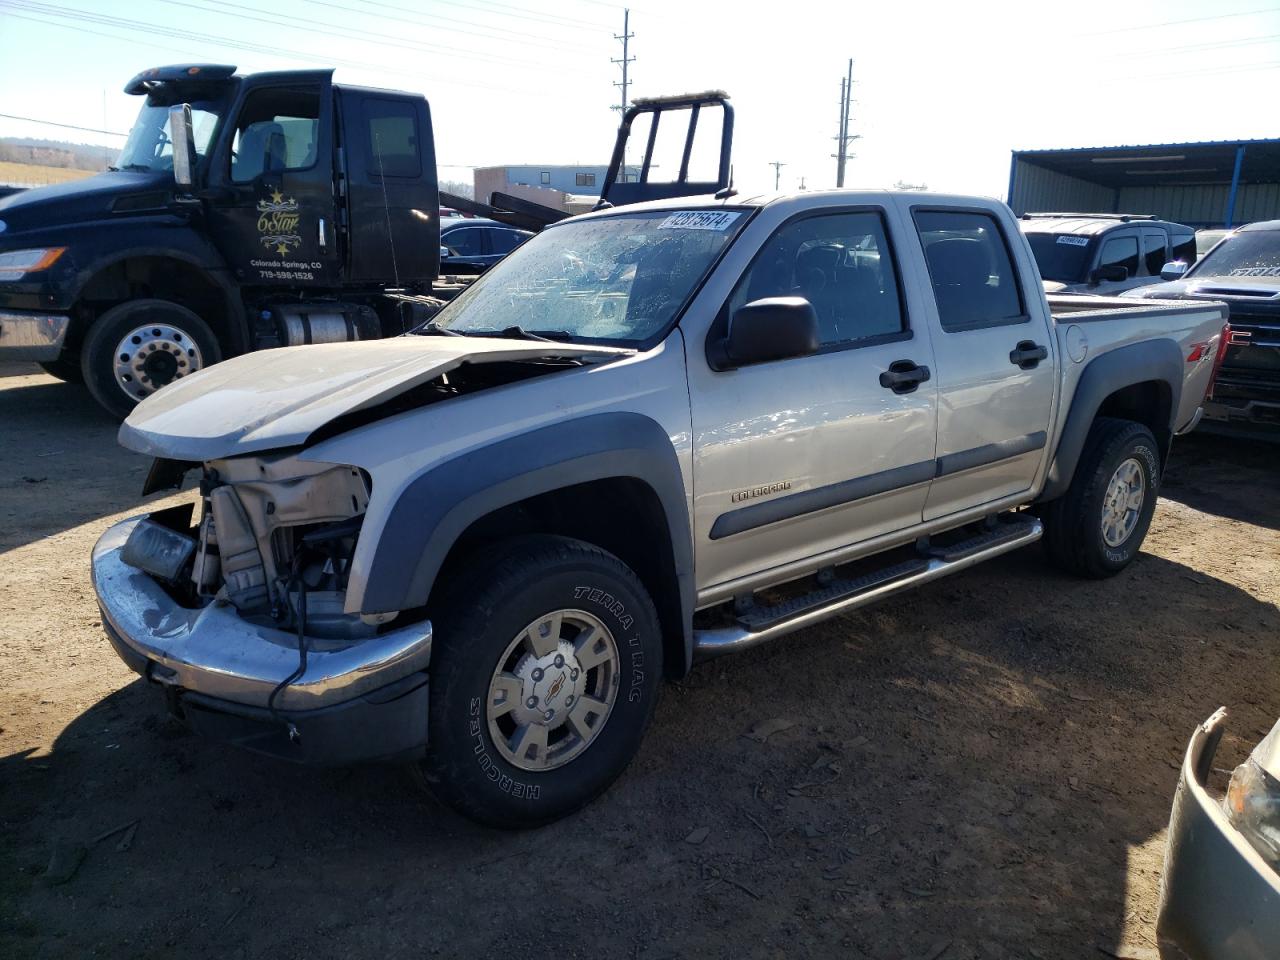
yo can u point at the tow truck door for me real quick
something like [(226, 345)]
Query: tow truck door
[(270, 197)]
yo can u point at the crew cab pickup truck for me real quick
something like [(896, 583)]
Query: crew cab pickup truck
[(650, 435)]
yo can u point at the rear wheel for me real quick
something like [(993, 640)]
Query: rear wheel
[(138, 347), (1096, 528), (544, 677)]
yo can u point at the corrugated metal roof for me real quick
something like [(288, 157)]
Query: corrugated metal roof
[(1139, 146)]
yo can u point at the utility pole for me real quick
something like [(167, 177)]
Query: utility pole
[(843, 138), (625, 37), (626, 61), (777, 172)]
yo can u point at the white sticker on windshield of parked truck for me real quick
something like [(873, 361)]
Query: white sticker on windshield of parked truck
[(1074, 241), (700, 220), (1255, 272)]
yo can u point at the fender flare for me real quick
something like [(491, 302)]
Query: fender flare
[(1158, 360), (438, 505), (204, 258)]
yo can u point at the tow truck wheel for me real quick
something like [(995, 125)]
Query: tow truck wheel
[(1096, 528), (545, 671), (138, 347), (68, 371)]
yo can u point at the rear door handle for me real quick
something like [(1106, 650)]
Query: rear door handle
[(903, 376), (1027, 354)]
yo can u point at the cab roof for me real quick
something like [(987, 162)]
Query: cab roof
[(1091, 224)]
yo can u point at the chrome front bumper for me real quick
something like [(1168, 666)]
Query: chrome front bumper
[(214, 653), (1219, 900), (32, 336)]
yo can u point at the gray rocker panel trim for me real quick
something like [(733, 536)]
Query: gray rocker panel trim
[(820, 498), (438, 505), (1151, 360), (847, 491)]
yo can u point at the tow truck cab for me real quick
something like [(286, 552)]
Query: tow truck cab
[(297, 203)]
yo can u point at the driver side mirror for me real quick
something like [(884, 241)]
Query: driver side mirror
[(1111, 273), (1173, 270), (775, 328), (184, 145)]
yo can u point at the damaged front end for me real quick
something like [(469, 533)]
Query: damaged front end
[(241, 614)]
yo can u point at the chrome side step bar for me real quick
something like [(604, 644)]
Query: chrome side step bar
[(713, 642)]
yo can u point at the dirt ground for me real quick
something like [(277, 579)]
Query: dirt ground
[(981, 769)]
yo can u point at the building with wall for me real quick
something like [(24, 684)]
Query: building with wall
[(561, 186), (1214, 184)]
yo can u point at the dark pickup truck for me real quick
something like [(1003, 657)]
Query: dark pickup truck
[(1242, 270)]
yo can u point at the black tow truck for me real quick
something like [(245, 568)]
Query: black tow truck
[(249, 212)]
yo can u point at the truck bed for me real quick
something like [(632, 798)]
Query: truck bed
[(1113, 322)]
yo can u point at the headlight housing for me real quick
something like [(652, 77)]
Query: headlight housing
[(18, 263), (1253, 798)]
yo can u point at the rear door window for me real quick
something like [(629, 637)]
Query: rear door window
[(504, 241), (465, 242), (974, 280), (1155, 253), (393, 147), (1121, 251)]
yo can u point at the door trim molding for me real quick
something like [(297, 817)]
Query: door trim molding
[(821, 498), (861, 488), (991, 453)]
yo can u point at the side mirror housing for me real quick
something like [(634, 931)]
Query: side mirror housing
[(1173, 270), (184, 145), (1111, 273), (776, 328)]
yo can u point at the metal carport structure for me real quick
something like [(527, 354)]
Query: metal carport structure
[(1220, 183)]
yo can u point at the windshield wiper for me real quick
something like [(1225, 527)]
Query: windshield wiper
[(432, 327), (521, 333)]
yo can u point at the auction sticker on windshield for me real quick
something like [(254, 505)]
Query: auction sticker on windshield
[(1074, 241), (700, 220)]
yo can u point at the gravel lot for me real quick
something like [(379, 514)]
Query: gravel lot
[(981, 769)]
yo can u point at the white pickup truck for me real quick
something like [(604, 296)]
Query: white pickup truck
[(648, 436)]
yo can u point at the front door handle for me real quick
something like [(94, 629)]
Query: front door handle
[(903, 376), (1027, 354)]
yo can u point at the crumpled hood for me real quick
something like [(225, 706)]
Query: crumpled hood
[(277, 398)]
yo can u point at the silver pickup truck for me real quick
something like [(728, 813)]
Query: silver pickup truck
[(649, 436)]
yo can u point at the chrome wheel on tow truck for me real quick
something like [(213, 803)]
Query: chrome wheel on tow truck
[(140, 346)]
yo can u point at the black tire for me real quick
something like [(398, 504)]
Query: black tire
[(193, 340), (490, 605), (68, 371), (1073, 533)]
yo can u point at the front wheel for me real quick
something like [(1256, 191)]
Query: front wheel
[(137, 347), (544, 677), (1096, 528)]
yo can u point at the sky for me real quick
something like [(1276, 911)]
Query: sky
[(943, 91)]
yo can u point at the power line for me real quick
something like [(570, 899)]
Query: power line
[(495, 33), (345, 33), (549, 19), (273, 51), (1174, 23), (66, 126)]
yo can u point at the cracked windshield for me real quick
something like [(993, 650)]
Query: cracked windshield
[(616, 278)]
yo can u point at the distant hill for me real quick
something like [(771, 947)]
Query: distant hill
[(57, 153)]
